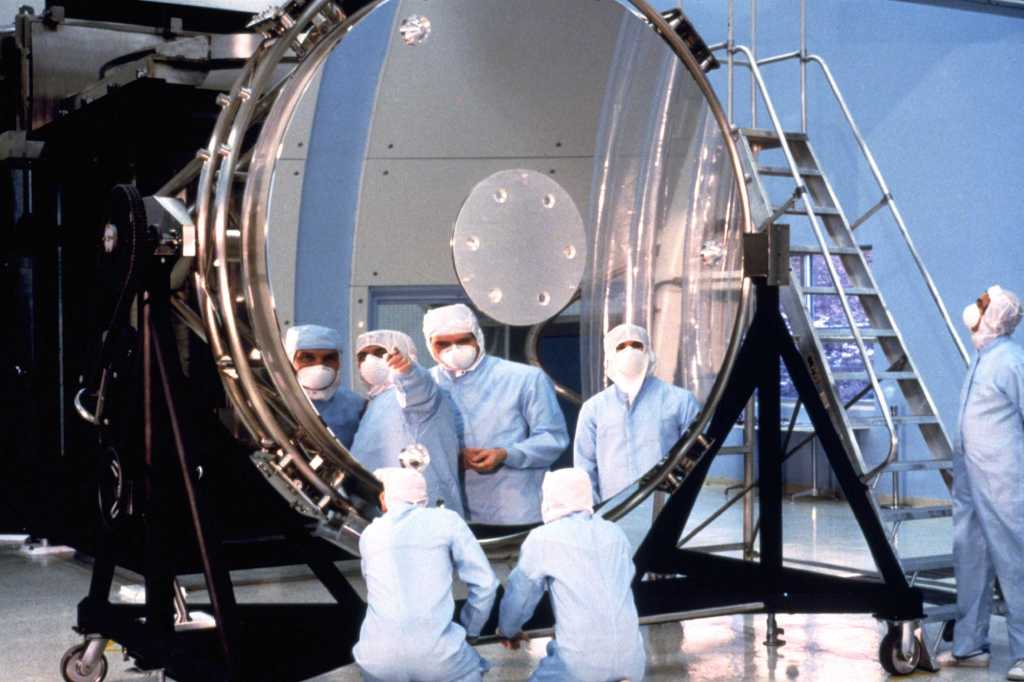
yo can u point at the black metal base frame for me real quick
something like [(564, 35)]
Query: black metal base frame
[(281, 642), (292, 642), (721, 581)]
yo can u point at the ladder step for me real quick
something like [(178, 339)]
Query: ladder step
[(917, 564), (867, 422), (784, 172), (912, 513), (920, 465), (814, 249), (831, 291), (797, 210), (940, 612), (844, 333), (768, 138), (838, 376)]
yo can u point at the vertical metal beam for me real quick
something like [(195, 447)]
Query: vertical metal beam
[(730, 60), (803, 66), (769, 443), (748, 481), (753, 62), (218, 580)]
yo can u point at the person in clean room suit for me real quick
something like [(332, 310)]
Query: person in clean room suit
[(408, 557), (315, 354), (628, 427), (514, 429), (585, 562), (409, 420), (988, 484)]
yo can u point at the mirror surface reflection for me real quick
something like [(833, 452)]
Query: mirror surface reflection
[(452, 202)]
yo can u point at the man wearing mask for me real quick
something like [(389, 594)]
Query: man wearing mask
[(988, 484), (585, 562), (409, 421), (628, 427), (514, 429), (408, 556), (315, 353)]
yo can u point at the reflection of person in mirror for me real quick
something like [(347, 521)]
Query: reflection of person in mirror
[(408, 557), (628, 427), (407, 408), (514, 427), (315, 353), (585, 562)]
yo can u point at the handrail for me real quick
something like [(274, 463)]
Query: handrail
[(801, 189), (887, 196), (897, 216)]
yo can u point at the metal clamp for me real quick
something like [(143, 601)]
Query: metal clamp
[(766, 254)]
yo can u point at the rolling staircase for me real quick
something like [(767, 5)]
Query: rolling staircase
[(892, 394)]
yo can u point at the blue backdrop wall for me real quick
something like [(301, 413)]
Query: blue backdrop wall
[(937, 92)]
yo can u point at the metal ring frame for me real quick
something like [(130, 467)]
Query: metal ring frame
[(300, 456)]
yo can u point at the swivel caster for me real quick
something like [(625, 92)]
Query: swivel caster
[(85, 662), (896, 658)]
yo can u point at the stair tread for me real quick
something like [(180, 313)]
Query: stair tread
[(845, 333), (831, 291), (927, 563), (919, 465), (902, 375), (799, 210), (940, 612), (899, 419), (911, 513), (784, 171), (815, 249), (768, 134)]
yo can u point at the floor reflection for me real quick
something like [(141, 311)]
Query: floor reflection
[(38, 598)]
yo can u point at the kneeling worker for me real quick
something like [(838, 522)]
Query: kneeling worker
[(586, 562), (407, 559)]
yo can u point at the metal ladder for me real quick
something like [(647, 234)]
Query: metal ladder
[(869, 326), (810, 195)]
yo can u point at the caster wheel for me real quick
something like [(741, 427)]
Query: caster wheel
[(890, 654), (72, 670)]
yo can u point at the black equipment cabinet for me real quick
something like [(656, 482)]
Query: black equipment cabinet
[(54, 209)]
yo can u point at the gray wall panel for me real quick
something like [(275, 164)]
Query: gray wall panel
[(407, 216), (536, 79)]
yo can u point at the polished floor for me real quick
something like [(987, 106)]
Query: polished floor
[(38, 598)]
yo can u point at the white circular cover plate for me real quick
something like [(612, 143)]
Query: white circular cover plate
[(519, 247)]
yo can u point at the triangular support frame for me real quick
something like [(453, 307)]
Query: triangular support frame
[(702, 581)]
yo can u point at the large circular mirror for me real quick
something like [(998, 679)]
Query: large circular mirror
[(559, 168)]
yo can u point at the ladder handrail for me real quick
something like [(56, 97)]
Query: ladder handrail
[(891, 201), (802, 190), (876, 172)]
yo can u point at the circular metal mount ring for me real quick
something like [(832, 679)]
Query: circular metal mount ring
[(298, 453)]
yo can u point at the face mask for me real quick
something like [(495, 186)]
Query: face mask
[(375, 371), (630, 363), (458, 357), (318, 381), (972, 316)]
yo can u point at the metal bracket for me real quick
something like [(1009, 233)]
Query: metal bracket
[(698, 47), (766, 254)]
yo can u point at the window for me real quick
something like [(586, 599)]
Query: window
[(826, 312)]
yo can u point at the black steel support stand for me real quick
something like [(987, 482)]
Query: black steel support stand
[(249, 641), (706, 581)]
